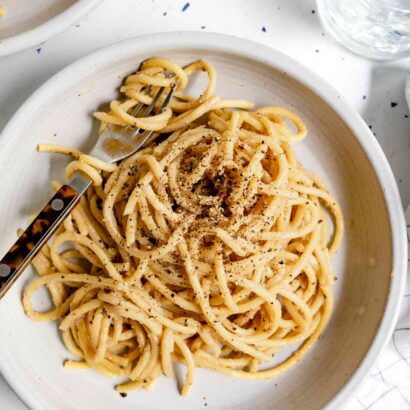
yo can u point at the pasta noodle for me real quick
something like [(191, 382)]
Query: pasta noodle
[(211, 247)]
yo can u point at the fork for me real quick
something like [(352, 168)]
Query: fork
[(114, 144)]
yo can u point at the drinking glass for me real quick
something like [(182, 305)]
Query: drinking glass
[(378, 29)]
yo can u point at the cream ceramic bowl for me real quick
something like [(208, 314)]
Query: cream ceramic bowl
[(28, 23), (370, 267)]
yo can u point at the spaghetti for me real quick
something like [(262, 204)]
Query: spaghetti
[(210, 248)]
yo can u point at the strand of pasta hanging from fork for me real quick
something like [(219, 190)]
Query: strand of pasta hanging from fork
[(211, 247)]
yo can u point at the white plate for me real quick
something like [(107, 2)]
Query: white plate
[(28, 23), (370, 267)]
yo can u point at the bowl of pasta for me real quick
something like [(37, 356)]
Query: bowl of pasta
[(252, 253), (24, 24)]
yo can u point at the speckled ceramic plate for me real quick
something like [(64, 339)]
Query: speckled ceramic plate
[(370, 267), (30, 22)]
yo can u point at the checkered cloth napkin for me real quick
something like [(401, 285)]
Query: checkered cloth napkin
[(388, 386)]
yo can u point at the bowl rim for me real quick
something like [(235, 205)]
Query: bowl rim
[(52, 27), (266, 55)]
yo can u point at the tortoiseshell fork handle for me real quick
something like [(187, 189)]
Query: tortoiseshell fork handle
[(36, 235)]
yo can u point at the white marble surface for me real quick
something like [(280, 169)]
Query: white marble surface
[(375, 90)]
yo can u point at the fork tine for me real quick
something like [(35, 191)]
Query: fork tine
[(139, 107), (163, 105), (167, 98), (154, 102), (148, 111)]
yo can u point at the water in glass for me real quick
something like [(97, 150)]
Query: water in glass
[(375, 28)]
